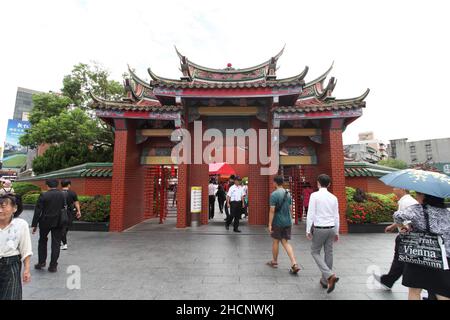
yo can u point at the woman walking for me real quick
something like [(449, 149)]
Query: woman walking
[(417, 277), (15, 248)]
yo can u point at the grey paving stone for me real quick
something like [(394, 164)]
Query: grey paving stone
[(152, 261)]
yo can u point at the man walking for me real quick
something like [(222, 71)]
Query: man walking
[(322, 227), (228, 185), (235, 201), (212, 198), (48, 216), (73, 206), (280, 224), (396, 270)]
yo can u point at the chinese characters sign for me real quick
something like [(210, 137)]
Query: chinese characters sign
[(14, 155)]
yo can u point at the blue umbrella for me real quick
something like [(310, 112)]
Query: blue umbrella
[(427, 182)]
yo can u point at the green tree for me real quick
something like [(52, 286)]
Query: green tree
[(70, 127), (46, 105), (86, 78), (393, 163), (64, 121), (67, 155)]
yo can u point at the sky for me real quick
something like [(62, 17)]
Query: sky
[(399, 49)]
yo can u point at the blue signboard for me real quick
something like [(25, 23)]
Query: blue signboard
[(14, 155)]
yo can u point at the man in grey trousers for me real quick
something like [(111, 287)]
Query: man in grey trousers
[(322, 227)]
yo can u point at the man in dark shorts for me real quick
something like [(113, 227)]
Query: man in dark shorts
[(74, 209), (280, 223)]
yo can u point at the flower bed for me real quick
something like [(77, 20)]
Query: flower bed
[(377, 209)]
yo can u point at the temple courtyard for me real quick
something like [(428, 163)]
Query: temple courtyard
[(153, 261)]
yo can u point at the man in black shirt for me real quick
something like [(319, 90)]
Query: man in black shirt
[(73, 206), (47, 215)]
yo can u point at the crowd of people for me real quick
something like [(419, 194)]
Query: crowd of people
[(424, 213)]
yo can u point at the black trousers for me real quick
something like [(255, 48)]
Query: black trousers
[(212, 200), (221, 203), (227, 211), (396, 270), (56, 243), (65, 230), (236, 211)]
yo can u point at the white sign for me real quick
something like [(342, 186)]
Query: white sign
[(196, 199)]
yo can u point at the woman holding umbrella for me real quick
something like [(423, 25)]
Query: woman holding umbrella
[(430, 215), (417, 277)]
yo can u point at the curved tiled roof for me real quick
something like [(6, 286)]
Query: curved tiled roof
[(365, 169), (90, 169)]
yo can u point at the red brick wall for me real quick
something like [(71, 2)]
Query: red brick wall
[(127, 194), (149, 189), (199, 177), (97, 186), (84, 186), (375, 185), (368, 184), (331, 162), (258, 196), (183, 204)]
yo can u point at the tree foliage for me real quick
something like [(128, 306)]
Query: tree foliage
[(46, 105), (67, 155), (393, 163), (62, 120), (87, 78)]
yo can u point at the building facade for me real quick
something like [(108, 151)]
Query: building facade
[(433, 151), (309, 120), (24, 103)]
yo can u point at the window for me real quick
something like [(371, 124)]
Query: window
[(412, 149)]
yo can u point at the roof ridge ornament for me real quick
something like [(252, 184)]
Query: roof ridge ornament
[(321, 78)]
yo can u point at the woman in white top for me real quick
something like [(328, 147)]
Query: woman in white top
[(6, 188), (15, 248)]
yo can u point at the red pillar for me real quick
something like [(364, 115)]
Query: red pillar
[(127, 182), (183, 218), (331, 162)]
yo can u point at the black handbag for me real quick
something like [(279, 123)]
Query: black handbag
[(423, 248)]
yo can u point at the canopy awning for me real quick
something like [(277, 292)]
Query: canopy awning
[(221, 168)]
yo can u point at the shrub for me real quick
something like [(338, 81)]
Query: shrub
[(95, 209), (30, 198), (378, 208), (23, 188), (350, 192)]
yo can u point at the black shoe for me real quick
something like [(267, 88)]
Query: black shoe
[(39, 266), (52, 269), (323, 285), (237, 230)]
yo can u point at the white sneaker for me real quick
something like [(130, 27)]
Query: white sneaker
[(378, 279), (64, 247)]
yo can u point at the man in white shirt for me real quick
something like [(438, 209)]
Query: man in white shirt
[(322, 227), (212, 189), (235, 201), (396, 270)]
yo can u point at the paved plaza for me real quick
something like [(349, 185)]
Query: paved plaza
[(152, 261)]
